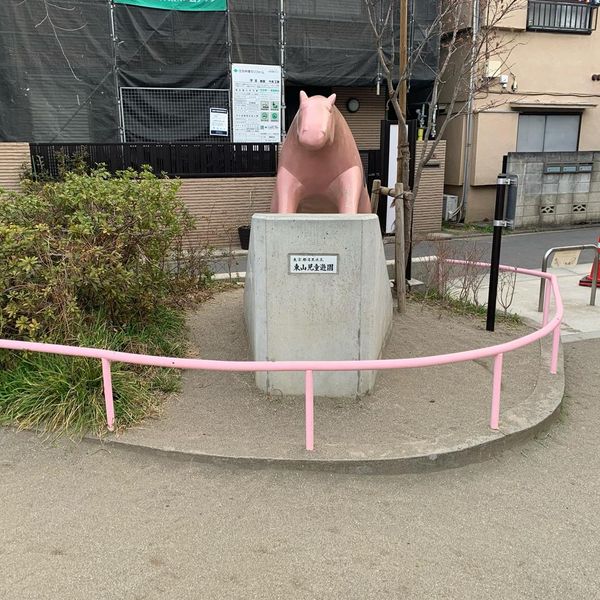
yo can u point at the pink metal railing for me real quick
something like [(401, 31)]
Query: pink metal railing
[(309, 366)]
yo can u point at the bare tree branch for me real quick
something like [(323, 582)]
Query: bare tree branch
[(459, 74)]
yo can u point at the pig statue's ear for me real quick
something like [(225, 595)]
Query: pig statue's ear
[(303, 97), (331, 99)]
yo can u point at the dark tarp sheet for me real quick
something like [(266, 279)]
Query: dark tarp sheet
[(325, 43), (328, 43), (169, 48), (255, 31), (58, 81), (424, 39)]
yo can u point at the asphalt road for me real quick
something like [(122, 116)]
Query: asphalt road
[(523, 249), (80, 522)]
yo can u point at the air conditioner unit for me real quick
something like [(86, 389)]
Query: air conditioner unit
[(449, 207)]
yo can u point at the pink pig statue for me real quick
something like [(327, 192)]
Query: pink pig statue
[(320, 170)]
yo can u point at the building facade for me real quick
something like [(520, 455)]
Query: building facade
[(541, 105)]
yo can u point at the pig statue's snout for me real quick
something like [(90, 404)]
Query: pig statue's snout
[(313, 139)]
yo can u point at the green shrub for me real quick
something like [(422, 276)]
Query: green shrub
[(92, 260), (53, 392), (89, 243), (61, 393)]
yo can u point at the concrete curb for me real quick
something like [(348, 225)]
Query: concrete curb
[(521, 423)]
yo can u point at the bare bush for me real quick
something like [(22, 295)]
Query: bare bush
[(454, 275), (459, 78), (469, 276), (506, 288)]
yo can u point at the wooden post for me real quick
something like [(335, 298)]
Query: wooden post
[(400, 262), (375, 192)]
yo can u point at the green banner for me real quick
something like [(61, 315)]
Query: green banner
[(205, 5)]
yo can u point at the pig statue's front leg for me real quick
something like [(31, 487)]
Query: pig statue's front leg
[(349, 192), (287, 193)]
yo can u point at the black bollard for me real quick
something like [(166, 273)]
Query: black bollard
[(499, 224)]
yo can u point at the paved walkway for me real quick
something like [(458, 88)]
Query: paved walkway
[(582, 321), (81, 522)]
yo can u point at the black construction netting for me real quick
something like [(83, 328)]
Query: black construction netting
[(56, 77), (61, 70)]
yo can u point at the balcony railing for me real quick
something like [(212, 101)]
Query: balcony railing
[(566, 17)]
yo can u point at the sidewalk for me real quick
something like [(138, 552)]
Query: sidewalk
[(80, 522), (581, 321)]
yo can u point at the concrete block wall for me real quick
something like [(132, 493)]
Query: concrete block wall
[(553, 199), (221, 205)]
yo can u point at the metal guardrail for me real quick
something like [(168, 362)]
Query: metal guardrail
[(552, 251), (309, 366)]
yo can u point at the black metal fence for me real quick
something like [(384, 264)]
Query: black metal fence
[(566, 17), (176, 160)]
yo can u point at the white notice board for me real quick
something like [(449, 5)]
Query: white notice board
[(256, 95), (219, 122)]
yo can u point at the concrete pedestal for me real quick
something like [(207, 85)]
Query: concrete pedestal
[(317, 288)]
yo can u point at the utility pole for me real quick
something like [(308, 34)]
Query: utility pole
[(402, 90)]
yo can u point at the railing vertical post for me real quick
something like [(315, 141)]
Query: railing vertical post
[(309, 411), (496, 388), (108, 394), (543, 283), (547, 298)]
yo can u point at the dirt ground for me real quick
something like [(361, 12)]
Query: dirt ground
[(408, 411)]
